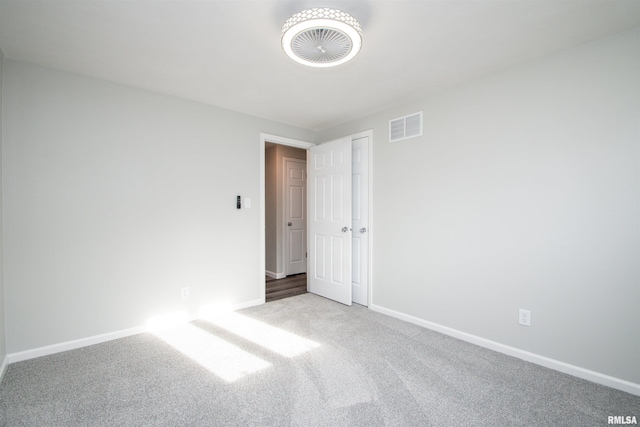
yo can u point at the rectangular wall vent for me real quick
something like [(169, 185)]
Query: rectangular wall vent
[(405, 127)]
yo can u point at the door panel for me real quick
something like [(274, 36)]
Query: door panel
[(356, 250), (337, 253), (319, 267), (329, 169)]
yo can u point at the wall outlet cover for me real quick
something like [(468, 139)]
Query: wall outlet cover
[(524, 317)]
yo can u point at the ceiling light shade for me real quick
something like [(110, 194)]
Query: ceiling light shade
[(321, 37)]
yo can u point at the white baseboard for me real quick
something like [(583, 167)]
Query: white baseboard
[(3, 368), (72, 345), (557, 365), (275, 275), (97, 339)]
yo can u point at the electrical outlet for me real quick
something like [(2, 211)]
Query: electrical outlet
[(524, 317), (184, 293)]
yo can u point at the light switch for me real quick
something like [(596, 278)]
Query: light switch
[(247, 202)]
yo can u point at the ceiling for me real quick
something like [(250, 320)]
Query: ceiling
[(228, 54)]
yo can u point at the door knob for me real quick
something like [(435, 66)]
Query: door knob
[(363, 230), (345, 229), (289, 224)]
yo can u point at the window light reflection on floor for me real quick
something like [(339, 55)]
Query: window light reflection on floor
[(220, 357), (270, 337)]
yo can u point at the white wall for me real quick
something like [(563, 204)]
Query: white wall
[(3, 348), (115, 198), (522, 193)]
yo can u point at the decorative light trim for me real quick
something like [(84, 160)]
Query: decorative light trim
[(321, 37)]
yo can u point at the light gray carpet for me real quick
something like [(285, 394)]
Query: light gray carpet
[(369, 369)]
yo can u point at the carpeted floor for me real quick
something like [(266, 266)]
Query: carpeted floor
[(303, 361)]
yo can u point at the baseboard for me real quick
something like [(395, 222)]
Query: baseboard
[(275, 275), (72, 345), (557, 365), (97, 339), (3, 368)]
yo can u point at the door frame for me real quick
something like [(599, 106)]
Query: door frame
[(276, 139), (281, 140)]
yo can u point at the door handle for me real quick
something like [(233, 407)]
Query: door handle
[(363, 230), (289, 224), (345, 229)]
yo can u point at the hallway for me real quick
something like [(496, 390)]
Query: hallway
[(287, 287)]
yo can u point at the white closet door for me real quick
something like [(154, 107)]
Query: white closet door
[(360, 221)]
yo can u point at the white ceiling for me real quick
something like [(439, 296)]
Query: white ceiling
[(227, 53)]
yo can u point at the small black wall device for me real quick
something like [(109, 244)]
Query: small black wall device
[(238, 203)]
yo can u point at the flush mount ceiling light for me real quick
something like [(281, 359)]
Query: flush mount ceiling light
[(321, 37)]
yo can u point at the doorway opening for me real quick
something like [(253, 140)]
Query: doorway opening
[(285, 220)]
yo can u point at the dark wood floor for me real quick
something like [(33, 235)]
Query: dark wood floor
[(287, 287)]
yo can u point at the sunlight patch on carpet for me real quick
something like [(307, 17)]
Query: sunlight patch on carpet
[(225, 360), (270, 337)]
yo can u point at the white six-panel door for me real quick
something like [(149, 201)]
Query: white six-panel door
[(295, 184), (329, 221), (360, 221)]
